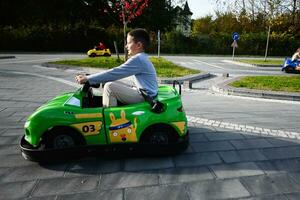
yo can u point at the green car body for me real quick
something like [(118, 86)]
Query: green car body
[(81, 115)]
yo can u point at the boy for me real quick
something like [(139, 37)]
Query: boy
[(138, 66)]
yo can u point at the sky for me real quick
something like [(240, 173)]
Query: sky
[(201, 8)]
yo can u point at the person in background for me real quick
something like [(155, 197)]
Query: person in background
[(138, 66), (296, 55), (101, 46)]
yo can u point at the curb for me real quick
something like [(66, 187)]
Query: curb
[(187, 81), (224, 88), (249, 65), (7, 57)]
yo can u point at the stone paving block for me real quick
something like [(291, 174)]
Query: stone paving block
[(282, 152), (267, 197), (128, 179), (10, 139), (57, 186), (179, 175), (226, 135), (270, 184), (242, 156), (6, 113), (16, 190), (42, 198), (4, 171), (197, 138), (13, 132), (174, 192), (139, 164), (217, 189), (189, 150), (236, 170), (95, 195), (287, 165), (14, 160), (196, 159), (93, 167), (35, 172), (293, 196), (251, 144), (267, 166), (2, 130), (282, 142), (9, 149), (212, 146), (296, 176)]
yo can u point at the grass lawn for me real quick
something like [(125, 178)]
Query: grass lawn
[(164, 68), (274, 83), (262, 62)]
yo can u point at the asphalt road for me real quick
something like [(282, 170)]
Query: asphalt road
[(241, 148), (219, 65)]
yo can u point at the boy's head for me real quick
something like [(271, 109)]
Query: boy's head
[(137, 41)]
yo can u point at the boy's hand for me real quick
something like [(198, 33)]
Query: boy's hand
[(81, 79)]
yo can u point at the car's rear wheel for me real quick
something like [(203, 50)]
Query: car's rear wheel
[(159, 138), (93, 55)]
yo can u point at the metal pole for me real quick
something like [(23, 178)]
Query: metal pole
[(158, 41), (267, 45), (116, 49)]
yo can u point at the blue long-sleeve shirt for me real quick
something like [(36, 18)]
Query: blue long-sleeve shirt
[(138, 66)]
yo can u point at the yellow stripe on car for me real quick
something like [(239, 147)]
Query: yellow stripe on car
[(89, 115)]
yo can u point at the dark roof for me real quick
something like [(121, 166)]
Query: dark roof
[(186, 9)]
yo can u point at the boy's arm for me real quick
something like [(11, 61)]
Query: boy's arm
[(129, 68)]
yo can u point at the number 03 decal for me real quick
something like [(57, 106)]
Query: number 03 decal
[(89, 128)]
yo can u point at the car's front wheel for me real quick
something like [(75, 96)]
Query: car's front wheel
[(62, 139)]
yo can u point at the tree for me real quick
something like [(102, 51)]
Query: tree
[(127, 10)]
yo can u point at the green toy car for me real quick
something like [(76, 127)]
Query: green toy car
[(98, 52), (76, 123)]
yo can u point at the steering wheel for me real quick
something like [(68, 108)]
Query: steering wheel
[(85, 88)]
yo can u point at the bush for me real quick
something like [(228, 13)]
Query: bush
[(81, 37)]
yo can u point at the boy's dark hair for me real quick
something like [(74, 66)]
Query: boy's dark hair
[(140, 35)]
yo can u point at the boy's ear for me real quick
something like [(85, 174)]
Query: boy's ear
[(140, 45)]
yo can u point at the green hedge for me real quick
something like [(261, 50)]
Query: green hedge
[(82, 37)]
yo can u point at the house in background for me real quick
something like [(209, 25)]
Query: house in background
[(184, 19)]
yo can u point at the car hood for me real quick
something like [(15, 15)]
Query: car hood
[(57, 101)]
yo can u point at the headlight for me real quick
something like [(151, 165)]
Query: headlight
[(27, 123)]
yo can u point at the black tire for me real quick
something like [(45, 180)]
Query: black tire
[(160, 140), (289, 70), (158, 135), (93, 55), (61, 139)]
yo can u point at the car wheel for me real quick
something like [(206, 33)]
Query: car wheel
[(289, 70), (93, 55), (160, 138), (61, 140)]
